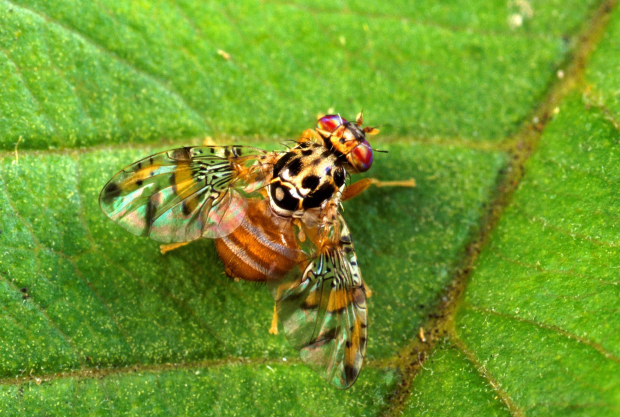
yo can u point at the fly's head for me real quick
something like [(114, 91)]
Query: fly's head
[(348, 139)]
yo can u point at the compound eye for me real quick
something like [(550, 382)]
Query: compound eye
[(330, 123), (360, 157)]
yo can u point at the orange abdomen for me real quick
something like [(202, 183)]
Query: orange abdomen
[(263, 248)]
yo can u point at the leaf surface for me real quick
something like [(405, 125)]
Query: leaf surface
[(96, 321), (539, 317)]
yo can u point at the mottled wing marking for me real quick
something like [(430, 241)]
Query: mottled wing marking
[(323, 311), (182, 194)]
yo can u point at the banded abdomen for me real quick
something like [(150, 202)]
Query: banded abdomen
[(263, 248)]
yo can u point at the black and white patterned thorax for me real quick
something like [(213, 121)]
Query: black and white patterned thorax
[(304, 178)]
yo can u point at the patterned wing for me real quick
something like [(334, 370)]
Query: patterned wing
[(185, 193), (323, 311)]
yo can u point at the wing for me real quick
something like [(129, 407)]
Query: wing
[(323, 310), (185, 193)]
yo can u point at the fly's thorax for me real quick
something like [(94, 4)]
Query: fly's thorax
[(304, 178)]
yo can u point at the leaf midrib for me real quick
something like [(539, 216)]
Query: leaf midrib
[(523, 146), (561, 88)]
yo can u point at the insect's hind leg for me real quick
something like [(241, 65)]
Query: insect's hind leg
[(359, 187), (274, 321), (164, 249)]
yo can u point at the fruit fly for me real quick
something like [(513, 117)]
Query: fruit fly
[(275, 218)]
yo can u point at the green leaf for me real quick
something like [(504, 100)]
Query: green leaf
[(114, 72), (96, 321), (254, 389), (451, 386), (539, 317), (544, 298)]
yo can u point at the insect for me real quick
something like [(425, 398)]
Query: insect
[(275, 218)]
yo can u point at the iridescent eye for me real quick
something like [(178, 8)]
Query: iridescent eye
[(360, 157), (330, 123)]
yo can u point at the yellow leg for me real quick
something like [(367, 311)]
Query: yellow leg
[(167, 248), (309, 135), (368, 291), (274, 322), (359, 187), (407, 183), (208, 141)]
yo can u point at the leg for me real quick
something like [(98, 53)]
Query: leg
[(309, 135), (274, 321), (208, 141), (172, 246), (359, 187), (368, 290)]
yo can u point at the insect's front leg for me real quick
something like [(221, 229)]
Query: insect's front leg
[(309, 135), (359, 187)]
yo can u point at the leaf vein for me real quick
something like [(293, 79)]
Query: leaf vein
[(484, 373), (35, 99), (556, 329), (62, 334), (112, 54)]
